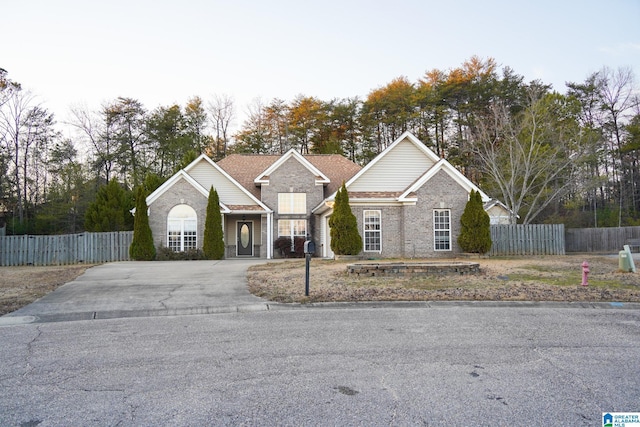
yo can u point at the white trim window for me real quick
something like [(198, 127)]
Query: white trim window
[(292, 203), (442, 229), (372, 231), (292, 228), (182, 226)]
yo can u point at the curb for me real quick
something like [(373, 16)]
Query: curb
[(9, 320), (445, 304)]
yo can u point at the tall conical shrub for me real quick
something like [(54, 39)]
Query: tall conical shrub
[(142, 248), (345, 238), (213, 245), (475, 230)]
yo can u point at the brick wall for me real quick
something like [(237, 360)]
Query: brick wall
[(293, 177), (180, 193), (441, 192), (407, 231), (391, 218)]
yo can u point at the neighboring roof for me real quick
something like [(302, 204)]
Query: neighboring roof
[(495, 202), (244, 168)]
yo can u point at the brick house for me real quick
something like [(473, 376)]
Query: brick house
[(407, 200)]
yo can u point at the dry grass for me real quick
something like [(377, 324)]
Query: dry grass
[(20, 286), (521, 279)]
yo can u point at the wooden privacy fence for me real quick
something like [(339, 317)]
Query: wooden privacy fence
[(605, 239), (533, 239), (65, 249)]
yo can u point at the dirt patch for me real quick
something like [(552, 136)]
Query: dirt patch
[(555, 278), (20, 286)]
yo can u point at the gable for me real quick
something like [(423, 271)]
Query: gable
[(396, 168), (180, 181), (292, 173), (205, 173), (445, 167), (168, 184), (292, 154)]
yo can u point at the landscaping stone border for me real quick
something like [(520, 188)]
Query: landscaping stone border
[(412, 269)]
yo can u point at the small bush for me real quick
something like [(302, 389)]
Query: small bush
[(345, 237), (475, 230), (142, 247), (283, 245), (165, 254), (213, 246)]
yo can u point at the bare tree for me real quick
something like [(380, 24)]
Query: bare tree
[(26, 131), (531, 158), (103, 148), (126, 118), (222, 113), (617, 100), (12, 119)]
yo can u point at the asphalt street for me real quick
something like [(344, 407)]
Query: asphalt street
[(437, 365)]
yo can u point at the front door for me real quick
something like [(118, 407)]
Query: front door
[(245, 238)]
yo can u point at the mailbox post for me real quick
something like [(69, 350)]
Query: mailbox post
[(309, 249)]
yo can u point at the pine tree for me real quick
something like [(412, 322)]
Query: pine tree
[(345, 238), (142, 247), (213, 245), (475, 231), (111, 209)]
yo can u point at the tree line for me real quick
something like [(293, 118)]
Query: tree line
[(568, 157)]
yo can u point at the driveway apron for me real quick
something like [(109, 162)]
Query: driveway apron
[(142, 289)]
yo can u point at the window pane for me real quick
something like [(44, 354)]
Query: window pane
[(182, 228), (372, 227), (289, 228), (284, 227), (292, 203), (189, 240), (442, 230), (189, 225), (300, 228), (174, 240)]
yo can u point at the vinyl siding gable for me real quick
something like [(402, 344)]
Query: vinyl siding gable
[(397, 170), (230, 194)]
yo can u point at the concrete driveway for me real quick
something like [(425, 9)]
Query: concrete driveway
[(142, 289)]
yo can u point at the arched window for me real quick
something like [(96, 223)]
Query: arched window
[(182, 226)]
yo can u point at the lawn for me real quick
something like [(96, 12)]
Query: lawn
[(548, 278)]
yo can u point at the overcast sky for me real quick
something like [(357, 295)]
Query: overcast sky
[(161, 52)]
